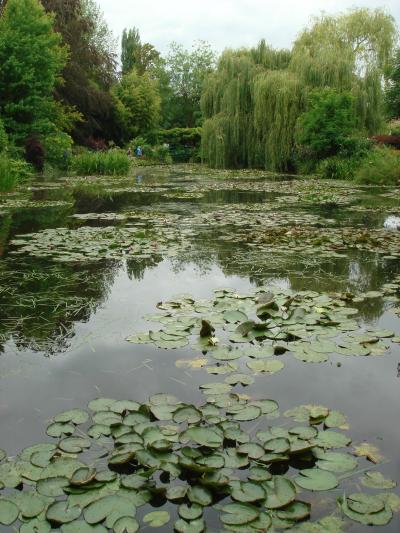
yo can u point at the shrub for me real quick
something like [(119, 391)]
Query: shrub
[(58, 150), (3, 138), (113, 162), (328, 123), (337, 168), (13, 171), (34, 153), (381, 167)]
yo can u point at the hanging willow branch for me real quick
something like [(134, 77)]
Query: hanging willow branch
[(253, 101)]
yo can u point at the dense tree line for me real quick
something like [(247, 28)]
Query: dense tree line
[(61, 83), (271, 108), (61, 80)]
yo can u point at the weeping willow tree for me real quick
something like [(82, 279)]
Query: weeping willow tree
[(253, 101)]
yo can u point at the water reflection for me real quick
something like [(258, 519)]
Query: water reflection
[(86, 311)]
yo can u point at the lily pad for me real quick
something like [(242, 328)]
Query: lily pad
[(316, 480), (157, 518)]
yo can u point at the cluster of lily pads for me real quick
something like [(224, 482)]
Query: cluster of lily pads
[(120, 456), (260, 327), (327, 242), (95, 243)]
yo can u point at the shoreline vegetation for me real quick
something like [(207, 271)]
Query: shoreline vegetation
[(327, 107)]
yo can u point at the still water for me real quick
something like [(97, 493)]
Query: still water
[(63, 325)]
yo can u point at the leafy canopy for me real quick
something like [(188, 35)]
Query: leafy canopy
[(32, 58), (137, 104)]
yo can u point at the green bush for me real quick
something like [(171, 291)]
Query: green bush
[(58, 150), (3, 138), (13, 171), (380, 167), (113, 162), (327, 124), (337, 168)]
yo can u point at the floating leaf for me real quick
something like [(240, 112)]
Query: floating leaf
[(190, 512), (247, 492), (195, 526), (316, 480), (376, 480), (76, 416), (335, 462), (157, 518), (266, 366), (236, 514), (62, 513), (8, 512), (369, 451)]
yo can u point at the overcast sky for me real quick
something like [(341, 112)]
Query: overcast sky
[(224, 23)]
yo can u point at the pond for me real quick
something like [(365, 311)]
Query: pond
[(216, 287)]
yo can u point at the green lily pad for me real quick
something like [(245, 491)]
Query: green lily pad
[(242, 379), (236, 514), (190, 512), (316, 480), (295, 511), (75, 416), (37, 526), (331, 439), (366, 505), (157, 518), (126, 524), (376, 480), (243, 491), (110, 508), (199, 495), (52, 486), (8, 512), (280, 492), (195, 526), (79, 526), (335, 462), (62, 513), (204, 436), (268, 366)]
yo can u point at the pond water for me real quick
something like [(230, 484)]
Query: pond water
[(67, 309)]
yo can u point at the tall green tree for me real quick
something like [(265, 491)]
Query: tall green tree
[(130, 42), (392, 92), (137, 103), (142, 57), (32, 58), (187, 70), (91, 68)]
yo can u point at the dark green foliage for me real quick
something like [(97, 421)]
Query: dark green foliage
[(113, 162), (3, 137), (393, 87), (380, 167), (31, 59), (328, 122), (130, 42), (184, 143), (91, 67)]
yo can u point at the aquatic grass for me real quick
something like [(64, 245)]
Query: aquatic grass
[(12, 172), (112, 162)]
